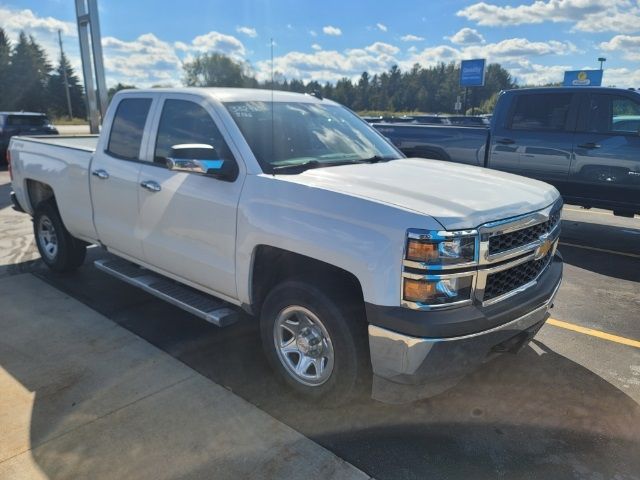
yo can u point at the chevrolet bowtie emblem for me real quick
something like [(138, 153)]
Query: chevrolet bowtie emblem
[(546, 244)]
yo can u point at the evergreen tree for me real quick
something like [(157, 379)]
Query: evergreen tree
[(28, 76), (58, 95), (5, 58)]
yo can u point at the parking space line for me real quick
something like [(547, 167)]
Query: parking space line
[(594, 333), (584, 210), (604, 250)]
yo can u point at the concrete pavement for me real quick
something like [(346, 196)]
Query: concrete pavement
[(84, 398)]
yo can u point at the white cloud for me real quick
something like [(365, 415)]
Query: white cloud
[(587, 15), (508, 51), (331, 30), (382, 48), (621, 77), (411, 38), (248, 31), (13, 21), (315, 46), (466, 36), (219, 42), (623, 20), (526, 72), (313, 33), (381, 26), (331, 65), (628, 45)]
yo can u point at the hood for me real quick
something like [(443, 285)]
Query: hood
[(457, 196)]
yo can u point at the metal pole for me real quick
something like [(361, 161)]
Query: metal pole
[(85, 54), (64, 76), (98, 61)]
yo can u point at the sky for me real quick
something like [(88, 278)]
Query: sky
[(146, 42)]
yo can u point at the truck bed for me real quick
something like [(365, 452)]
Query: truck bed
[(87, 143), (440, 142)]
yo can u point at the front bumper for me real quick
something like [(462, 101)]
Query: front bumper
[(407, 368)]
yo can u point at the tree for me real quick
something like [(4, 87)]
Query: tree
[(216, 70), (5, 58), (120, 86), (57, 94), (28, 76)]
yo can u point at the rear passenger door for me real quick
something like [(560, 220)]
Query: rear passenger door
[(536, 137), (606, 164), (114, 177)]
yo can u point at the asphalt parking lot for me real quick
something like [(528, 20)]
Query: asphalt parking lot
[(568, 406)]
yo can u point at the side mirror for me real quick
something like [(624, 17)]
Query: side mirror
[(202, 159)]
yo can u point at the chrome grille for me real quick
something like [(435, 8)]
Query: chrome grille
[(503, 282), (508, 241)]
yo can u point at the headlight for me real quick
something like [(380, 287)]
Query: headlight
[(431, 290), (441, 248)]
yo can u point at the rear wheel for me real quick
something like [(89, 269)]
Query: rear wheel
[(315, 340), (58, 248)]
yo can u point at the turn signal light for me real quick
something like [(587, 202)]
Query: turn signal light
[(418, 290)]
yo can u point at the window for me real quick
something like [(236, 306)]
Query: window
[(187, 122), (289, 133), (613, 114), (27, 120), (541, 112), (127, 128)]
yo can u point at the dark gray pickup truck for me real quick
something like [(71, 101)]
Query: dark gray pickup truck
[(583, 140)]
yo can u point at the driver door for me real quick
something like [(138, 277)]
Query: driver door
[(188, 220)]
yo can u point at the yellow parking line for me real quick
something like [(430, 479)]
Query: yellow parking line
[(594, 333), (595, 249)]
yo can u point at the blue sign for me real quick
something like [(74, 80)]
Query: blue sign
[(472, 73), (583, 78)]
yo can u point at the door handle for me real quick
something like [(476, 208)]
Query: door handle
[(151, 186), (101, 174), (589, 145), (505, 141)]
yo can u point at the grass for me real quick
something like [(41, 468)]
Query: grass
[(66, 121)]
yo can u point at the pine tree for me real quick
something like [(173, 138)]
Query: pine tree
[(5, 58), (57, 94), (28, 76)]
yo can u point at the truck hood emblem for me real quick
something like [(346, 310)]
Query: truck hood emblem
[(546, 244)]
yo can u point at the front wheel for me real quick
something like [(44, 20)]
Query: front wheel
[(315, 340), (59, 250)]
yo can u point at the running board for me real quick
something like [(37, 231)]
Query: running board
[(208, 308)]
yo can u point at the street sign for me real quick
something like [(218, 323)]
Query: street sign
[(582, 78), (472, 73)]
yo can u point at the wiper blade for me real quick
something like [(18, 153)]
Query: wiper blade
[(376, 159), (302, 166), (296, 167)]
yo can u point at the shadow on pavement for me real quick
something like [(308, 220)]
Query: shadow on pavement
[(534, 415), (5, 190), (608, 237)]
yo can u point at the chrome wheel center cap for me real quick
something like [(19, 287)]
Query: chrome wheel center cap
[(309, 342)]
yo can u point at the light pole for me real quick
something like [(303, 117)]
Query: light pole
[(601, 60)]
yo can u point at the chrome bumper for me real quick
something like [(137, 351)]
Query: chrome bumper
[(409, 368)]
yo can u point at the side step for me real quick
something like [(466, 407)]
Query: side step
[(211, 309)]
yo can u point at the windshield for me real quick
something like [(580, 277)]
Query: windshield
[(295, 133)]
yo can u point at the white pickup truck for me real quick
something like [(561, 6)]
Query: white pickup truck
[(355, 259)]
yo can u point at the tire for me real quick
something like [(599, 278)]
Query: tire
[(332, 332), (60, 251)]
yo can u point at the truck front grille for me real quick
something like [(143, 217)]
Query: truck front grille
[(509, 241), (505, 281)]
